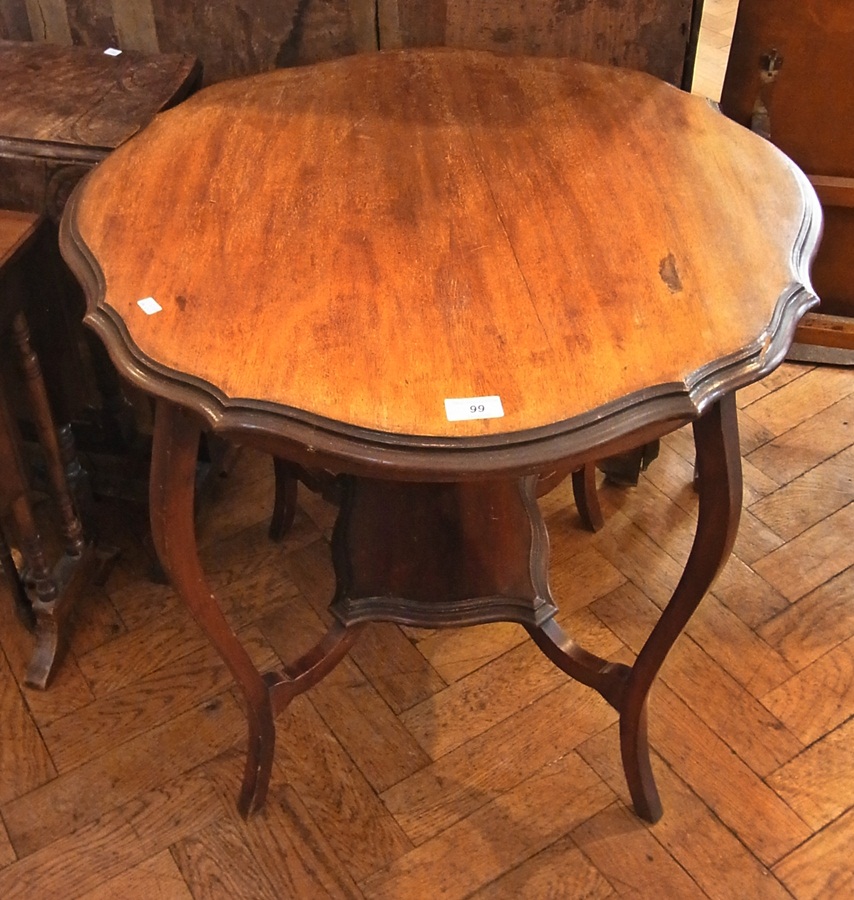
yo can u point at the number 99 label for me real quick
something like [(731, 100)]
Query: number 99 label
[(459, 409)]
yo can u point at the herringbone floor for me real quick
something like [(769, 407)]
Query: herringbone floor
[(461, 763)]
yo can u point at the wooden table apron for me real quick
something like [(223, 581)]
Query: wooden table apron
[(436, 529)]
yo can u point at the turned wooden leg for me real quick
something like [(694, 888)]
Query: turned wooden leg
[(77, 477), (44, 590), (720, 493), (38, 573), (173, 471), (53, 591), (72, 528), (14, 496)]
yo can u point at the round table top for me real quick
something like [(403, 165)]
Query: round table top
[(345, 247)]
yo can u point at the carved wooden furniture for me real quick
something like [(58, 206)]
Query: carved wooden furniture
[(63, 110), (438, 274), (789, 73), (44, 594)]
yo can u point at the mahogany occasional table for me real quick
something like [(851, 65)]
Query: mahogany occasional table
[(438, 274)]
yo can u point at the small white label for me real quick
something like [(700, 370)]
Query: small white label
[(112, 51), (149, 305), (458, 409)]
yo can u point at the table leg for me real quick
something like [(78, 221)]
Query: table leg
[(285, 500), (172, 489), (173, 472), (443, 554), (626, 688), (719, 486), (584, 492), (72, 529), (587, 497), (54, 592), (38, 571), (462, 554)]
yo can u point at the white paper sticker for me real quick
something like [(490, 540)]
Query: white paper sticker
[(112, 51), (149, 305), (458, 409)]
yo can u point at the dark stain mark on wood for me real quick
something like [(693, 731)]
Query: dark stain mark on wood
[(669, 273), (181, 300)]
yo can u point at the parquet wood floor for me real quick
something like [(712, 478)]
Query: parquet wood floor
[(461, 763)]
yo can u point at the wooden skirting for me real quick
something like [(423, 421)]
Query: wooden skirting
[(824, 339)]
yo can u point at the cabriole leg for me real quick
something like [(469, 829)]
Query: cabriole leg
[(720, 490), (173, 471)]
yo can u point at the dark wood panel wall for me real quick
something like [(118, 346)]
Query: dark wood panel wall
[(238, 38), (650, 35), (231, 38)]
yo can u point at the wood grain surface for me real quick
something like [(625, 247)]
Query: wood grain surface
[(362, 239), (651, 36), (81, 98), (811, 114), (16, 228), (242, 38)]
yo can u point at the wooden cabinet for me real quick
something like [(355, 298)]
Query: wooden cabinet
[(63, 110), (807, 106)]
